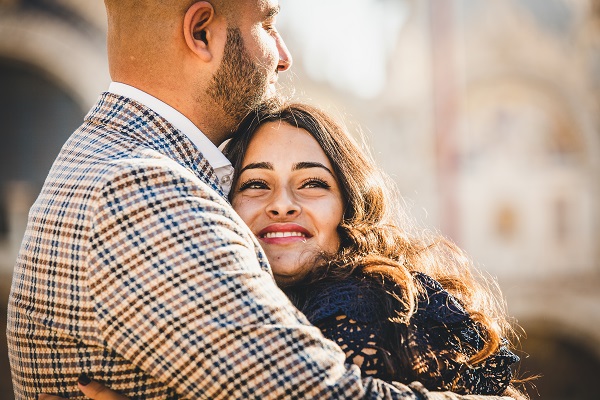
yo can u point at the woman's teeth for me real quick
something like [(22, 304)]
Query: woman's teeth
[(283, 234)]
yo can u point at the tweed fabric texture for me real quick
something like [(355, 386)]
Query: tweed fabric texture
[(135, 269)]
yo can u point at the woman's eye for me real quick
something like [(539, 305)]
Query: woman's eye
[(315, 183), (253, 184)]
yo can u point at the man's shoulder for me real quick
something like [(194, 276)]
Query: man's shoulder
[(98, 160), (117, 120), (118, 127), (119, 136), (147, 167)]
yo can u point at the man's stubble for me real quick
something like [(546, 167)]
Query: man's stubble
[(240, 84)]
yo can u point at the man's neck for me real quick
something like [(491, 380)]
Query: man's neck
[(205, 118)]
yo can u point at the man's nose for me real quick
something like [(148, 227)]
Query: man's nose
[(285, 57)]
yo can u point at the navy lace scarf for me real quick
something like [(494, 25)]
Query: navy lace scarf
[(433, 347)]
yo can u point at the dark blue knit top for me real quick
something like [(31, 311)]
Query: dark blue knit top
[(433, 347)]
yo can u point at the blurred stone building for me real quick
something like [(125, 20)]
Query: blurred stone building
[(489, 122), (52, 68)]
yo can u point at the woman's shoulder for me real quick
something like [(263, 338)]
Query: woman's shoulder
[(366, 298), (437, 340), (436, 304), (444, 330), (359, 297), (353, 311)]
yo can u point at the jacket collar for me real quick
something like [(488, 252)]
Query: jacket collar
[(145, 126)]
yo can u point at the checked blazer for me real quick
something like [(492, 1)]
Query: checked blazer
[(135, 269)]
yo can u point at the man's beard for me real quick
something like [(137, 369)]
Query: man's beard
[(240, 85)]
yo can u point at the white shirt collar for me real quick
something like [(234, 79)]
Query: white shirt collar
[(213, 155)]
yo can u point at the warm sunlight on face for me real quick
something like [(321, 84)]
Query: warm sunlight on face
[(289, 197)]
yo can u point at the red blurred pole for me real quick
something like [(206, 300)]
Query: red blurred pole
[(445, 109)]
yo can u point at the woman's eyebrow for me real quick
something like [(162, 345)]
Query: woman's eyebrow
[(310, 164), (258, 165)]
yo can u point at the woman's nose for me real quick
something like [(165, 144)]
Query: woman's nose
[(283, 205)]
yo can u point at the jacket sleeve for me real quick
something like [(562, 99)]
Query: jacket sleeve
[(178, 292)]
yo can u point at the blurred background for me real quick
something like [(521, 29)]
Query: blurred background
[(486, 114)]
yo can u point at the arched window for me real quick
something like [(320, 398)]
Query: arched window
[(36, 117)]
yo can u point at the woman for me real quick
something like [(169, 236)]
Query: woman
[(403, 307), (340, 236)]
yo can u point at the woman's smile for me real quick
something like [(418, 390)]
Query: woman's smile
[(283, 234)]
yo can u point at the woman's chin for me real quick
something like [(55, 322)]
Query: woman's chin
[(284, 280), (290, 268)]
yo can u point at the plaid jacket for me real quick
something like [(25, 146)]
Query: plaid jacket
[(136, 270)]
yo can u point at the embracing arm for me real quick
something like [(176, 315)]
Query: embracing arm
[(96, 391), (178, 292)]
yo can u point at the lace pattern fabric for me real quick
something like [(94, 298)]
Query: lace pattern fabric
[(353, 314), (433, 347)]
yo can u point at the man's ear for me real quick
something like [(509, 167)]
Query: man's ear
[(199, 28)]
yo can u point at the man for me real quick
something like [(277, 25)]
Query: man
[(134, 268)]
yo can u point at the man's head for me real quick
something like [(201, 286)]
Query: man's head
[(211, 60)]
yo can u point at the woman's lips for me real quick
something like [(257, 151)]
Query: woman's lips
[(283, 234)]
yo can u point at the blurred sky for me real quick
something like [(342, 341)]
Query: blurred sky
[(351, 50)]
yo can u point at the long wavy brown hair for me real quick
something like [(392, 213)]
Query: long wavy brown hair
[(377, 238)]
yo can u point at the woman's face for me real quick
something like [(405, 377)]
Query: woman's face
[(289, 197)]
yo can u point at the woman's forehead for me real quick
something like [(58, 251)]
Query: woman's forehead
[(281, 143)]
